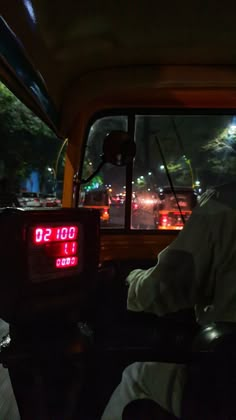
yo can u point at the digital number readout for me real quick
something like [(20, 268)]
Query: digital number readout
[(66, 262), (52, 234), (62, 249), (57, 243)]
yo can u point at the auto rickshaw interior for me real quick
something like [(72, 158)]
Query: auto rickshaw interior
[(144, 99)]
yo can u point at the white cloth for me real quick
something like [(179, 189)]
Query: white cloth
[(160, 382), (198, 270)]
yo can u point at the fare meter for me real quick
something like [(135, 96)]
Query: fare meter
[(47, 258), (55, 250)]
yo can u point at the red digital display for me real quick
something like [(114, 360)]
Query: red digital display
[(53, 234), (58, 244), (66, 262), (62, 249)]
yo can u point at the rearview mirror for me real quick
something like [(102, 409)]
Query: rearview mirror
[(118, 148)]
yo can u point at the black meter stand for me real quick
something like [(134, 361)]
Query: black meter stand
[(47, 369), (49, 263)]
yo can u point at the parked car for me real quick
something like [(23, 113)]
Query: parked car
[(29, 199), (50, 200)]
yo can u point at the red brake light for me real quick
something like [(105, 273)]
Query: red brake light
[(163, 220)]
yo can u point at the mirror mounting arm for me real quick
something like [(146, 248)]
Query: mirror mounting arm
[(118, 149), (77, 182), (85, 181), (76, 189)]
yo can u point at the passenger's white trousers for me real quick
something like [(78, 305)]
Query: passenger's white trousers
[(160, 382)]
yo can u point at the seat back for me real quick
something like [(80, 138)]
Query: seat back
[(211, 385)]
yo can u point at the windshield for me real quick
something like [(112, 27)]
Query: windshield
[(31, 156), (195, 152)]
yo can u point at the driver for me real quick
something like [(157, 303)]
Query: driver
[(197, 270)]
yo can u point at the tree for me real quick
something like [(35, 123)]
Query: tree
[(222, 153), (26, 142)]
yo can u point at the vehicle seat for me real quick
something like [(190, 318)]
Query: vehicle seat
[(210, 392)]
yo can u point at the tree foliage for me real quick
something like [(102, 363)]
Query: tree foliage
[(222, 153), (26, 143)]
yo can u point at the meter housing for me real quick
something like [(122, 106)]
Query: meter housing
[(48, 262)]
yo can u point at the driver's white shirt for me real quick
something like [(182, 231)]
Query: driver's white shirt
[(197, 270)]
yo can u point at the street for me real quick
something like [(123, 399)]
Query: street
[(142, 218)]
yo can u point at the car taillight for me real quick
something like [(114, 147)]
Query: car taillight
[(36, 199), (135, 207), (163, 220)]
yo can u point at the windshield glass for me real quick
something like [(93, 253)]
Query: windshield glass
[(31, 157), (185, 200), (195, 151), (107, 188), (96, 198)]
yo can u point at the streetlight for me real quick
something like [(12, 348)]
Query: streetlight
[(188, 162), (59, 155), (53, 172), (232, 130), (232, 127)]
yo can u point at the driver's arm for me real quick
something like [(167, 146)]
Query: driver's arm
[(182, 275)]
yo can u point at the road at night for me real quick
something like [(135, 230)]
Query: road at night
[(141, 219)]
